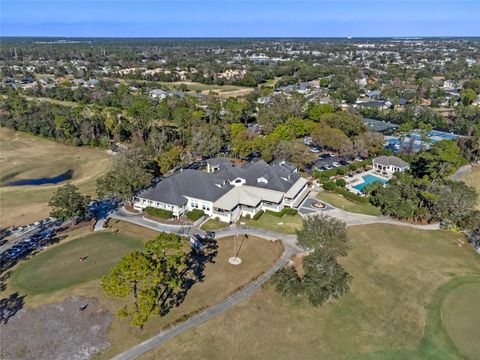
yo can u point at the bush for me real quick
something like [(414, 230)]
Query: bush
[(341, 182), (275, 213), (329, 185), (248, 216), (342, 170), (257, 215), (160, 213), (194, 214), (290, 211), (352, 196), (285, 211)]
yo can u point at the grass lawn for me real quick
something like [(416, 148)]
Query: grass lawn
[(400, 279), (460, 321), (59, 267), (25, 156), (341, 202), (132, 230), (213, 224), (288, 224), (473, 179)]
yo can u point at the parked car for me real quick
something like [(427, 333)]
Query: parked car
[(328, 167), (315, 150), (336, 164)]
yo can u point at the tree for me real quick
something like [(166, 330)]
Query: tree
[(68, 203), (168, 253), (454, 202), (316, 110), (129, 173), (295, 152), (324, 277), (349, 124), (468, 96), (324, 232), (148, 278), (134, 276), (442, 159), (324, 135), (169, 159)]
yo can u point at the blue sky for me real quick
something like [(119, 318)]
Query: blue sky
[(241, 18)]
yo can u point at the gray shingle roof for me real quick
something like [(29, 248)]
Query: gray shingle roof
[(212, 186), (390, 161)]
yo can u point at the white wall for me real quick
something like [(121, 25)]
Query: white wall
[(206, 206)]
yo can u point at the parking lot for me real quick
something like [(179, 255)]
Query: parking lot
[(329, 161)]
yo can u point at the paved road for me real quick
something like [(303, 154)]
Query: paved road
[(207, 314), (463, 170)]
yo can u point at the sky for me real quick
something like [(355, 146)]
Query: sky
[(239, 18)]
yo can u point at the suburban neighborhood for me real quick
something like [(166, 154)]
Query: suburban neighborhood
[(244, 180)]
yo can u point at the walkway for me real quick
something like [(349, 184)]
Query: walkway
[(463, 170), (207, 314)]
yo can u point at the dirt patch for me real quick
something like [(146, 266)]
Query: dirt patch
[(57, 331)]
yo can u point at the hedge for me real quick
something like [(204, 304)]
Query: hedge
[(290, 211), (257, 215), (194, 214), (285, 211), (352, 196), (160, 213)]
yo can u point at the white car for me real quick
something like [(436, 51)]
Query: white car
[(335, 164), (328, 167), (314, 150)]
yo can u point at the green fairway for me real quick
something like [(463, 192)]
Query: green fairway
[(461, 318), (340, 202), (60, 267), (401, 277), (25, 156)]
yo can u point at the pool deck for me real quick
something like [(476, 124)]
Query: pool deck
[(357, 179)]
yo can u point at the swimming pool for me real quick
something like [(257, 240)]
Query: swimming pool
[(369, 179)]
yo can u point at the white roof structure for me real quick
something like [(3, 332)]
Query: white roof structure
[(247, 195)]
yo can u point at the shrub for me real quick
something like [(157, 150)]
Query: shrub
[(160, 213), (275, 213), (342, 170), (329, 185), (352, 196), (194, 214), (354, 166), (248, 216), (290, 211), (341, 182), (257, 215)]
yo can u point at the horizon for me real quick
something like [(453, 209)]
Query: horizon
[(240, 19)]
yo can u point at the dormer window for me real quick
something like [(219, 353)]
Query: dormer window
[(262, 180), (238, 182)]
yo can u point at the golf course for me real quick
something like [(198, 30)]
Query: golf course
[(410, 298), (25, 156)]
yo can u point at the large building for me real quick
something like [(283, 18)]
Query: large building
[(227, 192)]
